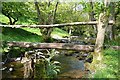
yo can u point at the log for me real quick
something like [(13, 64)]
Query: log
[(115, 47), (56, 25), (64, 46)]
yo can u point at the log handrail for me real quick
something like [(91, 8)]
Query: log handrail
[(57, 25)]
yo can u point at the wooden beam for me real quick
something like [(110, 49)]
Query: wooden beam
[(64, 46), (68, 46), (56, 25)]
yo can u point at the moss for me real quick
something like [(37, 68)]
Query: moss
[(40, 70)]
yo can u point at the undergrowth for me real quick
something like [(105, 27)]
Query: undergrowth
[(111, 70)]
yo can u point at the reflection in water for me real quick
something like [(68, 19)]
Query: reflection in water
[(70, 66)]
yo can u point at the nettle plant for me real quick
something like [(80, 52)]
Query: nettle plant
[(52, 67)]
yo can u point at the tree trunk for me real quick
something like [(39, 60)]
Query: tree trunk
[(10, 17), (92, 18), (54, 14), (110, 29), (38, 11), (40, 20), (10, 20), (15, 20), (102, 25), (100, 36), (53, 19)]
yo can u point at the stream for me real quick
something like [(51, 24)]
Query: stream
[(71, 67)]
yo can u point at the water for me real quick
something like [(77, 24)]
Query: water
[(70, 66)]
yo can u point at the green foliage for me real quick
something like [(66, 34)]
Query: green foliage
[(111, 62), (113, 42), (5, 48), (40, 71), (19, 10), (52, 67), (46, 67)]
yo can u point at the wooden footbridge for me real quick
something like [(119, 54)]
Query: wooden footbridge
[(67, 46)]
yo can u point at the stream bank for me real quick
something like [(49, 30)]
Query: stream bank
[(71, 63)]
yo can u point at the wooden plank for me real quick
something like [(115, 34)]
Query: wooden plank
[(57, 25), (68, 46)]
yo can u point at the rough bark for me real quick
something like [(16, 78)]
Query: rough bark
[(100, 38), (71, 46), (40, 20), (52, 45), (102, 25)]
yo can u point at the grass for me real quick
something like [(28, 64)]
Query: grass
[(111, 70), (115, 42), (59, 32), (27, 34), (33, 30), (17, 34), (3, 19)]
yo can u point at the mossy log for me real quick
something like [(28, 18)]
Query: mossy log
[(64, 46), (67, 46)]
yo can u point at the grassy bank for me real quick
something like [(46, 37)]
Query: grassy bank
[(111, 70), (28, 34), (17, 34)]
